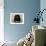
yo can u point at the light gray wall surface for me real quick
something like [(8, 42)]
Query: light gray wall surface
[(43, 6), (29, 8)]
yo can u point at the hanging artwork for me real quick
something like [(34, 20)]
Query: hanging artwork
[(16, 18)]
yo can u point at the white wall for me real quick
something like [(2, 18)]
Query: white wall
[(1, 21)]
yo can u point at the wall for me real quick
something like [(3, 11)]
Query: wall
[(1, 21), (28, 7), (43, 6)]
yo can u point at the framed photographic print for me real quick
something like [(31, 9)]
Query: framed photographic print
[(16, 18)]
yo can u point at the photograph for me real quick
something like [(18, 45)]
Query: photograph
[(16, 18)]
